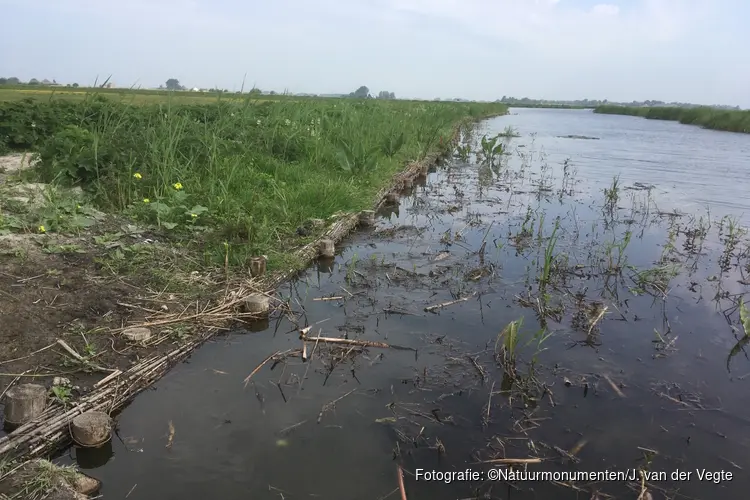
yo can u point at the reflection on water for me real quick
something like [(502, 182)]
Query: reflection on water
[(635, 303)]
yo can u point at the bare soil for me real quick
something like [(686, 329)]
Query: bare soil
[(59, 286)]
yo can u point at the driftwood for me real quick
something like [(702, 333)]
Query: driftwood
[(446, 304), (333, 340)]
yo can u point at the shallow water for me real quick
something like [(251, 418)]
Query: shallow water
[(676, 397)]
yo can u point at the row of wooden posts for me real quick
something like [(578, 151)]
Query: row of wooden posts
[(259, 304), (26, 402)]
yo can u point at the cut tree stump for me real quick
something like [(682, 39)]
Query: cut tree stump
[(91, 429), (24, 403)]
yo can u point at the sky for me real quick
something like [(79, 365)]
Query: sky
[(671, 50)]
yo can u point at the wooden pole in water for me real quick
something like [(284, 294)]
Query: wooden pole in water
[(257, 303), (367, 218), (24, 403), (91, 429), (326, 248)]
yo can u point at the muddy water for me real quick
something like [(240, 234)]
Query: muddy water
[(633, 369)]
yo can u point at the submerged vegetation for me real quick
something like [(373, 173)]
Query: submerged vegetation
[(717, 119)]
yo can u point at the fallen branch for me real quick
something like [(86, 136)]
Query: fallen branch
[(262, 363), (81, 359), (446, 304), (354, 342), (330, 405), (614, 386)]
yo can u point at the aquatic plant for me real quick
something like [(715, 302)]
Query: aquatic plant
[(707, 117), (491, 148)]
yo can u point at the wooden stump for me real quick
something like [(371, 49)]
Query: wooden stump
[(137, 334), (91, 429), (257, 303), (408, 183), (391, 198), (258, 325), (24, 403), (258, 266), (326, 248), (367, 218), (326, 265)]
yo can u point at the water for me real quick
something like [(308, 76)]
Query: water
[(279, 436)]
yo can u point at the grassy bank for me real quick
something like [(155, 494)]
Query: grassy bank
[(717, 119), (229, 178)]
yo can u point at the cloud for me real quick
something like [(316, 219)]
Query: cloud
[(606, 9), (640, 49)]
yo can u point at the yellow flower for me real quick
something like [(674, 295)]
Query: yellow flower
[(137, 175), (42, 230), (177, 186), (194, 216), (146, 200)]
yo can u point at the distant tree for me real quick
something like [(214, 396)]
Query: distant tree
[(255, 92), (13, 81), (75, 85), (273, 92), (361, 93), (33, 81), (3, 81), (173, 84)]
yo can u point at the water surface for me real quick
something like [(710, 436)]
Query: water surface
[(663, 340)]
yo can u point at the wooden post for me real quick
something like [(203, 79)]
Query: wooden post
[(24, 403), (391, 198), (326, 248), (137, 334), (257, 303), (91, 429), (367, 218), (258, 266)]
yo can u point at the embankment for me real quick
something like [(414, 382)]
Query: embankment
[(706, 117)]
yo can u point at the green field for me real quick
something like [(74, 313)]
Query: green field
[(226, 178), (10, 93), (712, 118)]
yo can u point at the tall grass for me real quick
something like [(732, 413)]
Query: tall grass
[(248, 172), (717, 119)]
